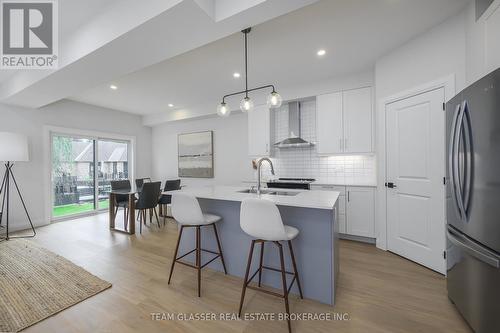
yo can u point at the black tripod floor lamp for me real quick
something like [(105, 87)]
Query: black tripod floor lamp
[(13, 148)]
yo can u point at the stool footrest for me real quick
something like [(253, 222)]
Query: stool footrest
[(277, 270), (266, 291), (247, 283), (178, 259)]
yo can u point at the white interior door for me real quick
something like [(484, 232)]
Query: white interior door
[(416, 167)]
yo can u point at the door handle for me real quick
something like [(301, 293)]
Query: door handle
[(453, 160), (468, 247), (468, 159), (390, 185)]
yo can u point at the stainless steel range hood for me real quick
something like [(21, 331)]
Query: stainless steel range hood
[(294, 139)]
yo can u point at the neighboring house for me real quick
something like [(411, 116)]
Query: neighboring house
[(74, 180), (112, 160)]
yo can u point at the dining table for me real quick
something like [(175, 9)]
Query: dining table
[(128, 223)]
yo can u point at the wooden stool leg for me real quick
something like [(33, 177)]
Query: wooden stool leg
[(261, 261), (285, 291), (220, 249), (175, 254), (295, 271), (245, 282), (198, 258)]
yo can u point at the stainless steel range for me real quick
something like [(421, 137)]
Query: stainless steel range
[(291, 183)]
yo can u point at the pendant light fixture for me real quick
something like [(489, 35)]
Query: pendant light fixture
[(274, 99)]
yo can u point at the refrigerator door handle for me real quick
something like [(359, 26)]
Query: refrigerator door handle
[(469, 159), (453, 160), (465, 245)]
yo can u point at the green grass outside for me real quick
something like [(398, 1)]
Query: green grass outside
[(73, 209)]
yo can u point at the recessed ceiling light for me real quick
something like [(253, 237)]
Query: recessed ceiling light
[(170, 105), (113, 87), (321, 53), (236, 75)]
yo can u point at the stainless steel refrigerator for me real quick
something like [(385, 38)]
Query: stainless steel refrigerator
[(473, 203)]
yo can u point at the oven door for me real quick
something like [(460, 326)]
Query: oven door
[(473, 281)]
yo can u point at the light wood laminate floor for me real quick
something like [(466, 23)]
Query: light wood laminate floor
[(380, 291)]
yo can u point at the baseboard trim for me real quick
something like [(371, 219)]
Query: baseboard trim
[(367, 240)]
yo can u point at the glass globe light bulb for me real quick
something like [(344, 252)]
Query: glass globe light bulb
[(274, 100), (246, 104), (223, 110)]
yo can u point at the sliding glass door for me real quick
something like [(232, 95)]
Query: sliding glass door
[(82, 171), (112, 164)]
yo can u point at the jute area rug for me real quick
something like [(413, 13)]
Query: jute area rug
[(36, 283)]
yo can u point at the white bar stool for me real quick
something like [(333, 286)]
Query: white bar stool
[(261, 220), (187, 212)]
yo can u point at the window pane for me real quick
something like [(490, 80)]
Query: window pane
[(112, 164), (72, 175)]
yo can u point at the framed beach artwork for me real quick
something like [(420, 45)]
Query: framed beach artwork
[(196, 158)]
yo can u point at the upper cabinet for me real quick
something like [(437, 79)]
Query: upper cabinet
[(259, 131), (345, 122), (329, 123)]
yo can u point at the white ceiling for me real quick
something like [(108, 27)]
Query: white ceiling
[(72, 15), (124, 36), (355, 33)]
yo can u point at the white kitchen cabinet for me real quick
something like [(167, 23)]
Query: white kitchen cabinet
[(356, 209), (344, 122), (358, 120), (259, 131), (329, 130), (360, 211)]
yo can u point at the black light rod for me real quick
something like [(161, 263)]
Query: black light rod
[(247, 91)]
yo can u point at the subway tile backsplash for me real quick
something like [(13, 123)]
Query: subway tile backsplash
[(305, 162)]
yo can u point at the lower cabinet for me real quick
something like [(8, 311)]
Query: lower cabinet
[(360, 211), (356, 209)]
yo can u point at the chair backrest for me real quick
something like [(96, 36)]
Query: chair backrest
[(261, 219), (148, 197), (120, 185), (186, 209), (172, 185), (140, 181), (117, 185)]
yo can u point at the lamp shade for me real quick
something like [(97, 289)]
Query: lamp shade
[(13, 147)]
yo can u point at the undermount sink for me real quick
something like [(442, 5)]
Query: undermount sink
[(271, 192)]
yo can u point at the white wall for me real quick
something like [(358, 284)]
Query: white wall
[(431, 56), (31, 175), (231, 162)]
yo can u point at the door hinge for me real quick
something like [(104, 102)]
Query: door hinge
[(444, 254), (444, 106)]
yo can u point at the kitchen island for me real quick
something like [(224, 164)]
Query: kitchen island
[(314, 213)]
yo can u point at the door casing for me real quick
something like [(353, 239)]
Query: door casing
[(448, 83)]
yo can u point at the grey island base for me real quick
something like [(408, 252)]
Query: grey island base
[(316, 247)]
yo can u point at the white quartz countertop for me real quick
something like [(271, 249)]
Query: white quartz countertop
[(304, 198)]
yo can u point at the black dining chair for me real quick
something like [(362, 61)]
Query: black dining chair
[(148, 200), (166, 199), (121, 200), (138, 185), (139, 182)]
